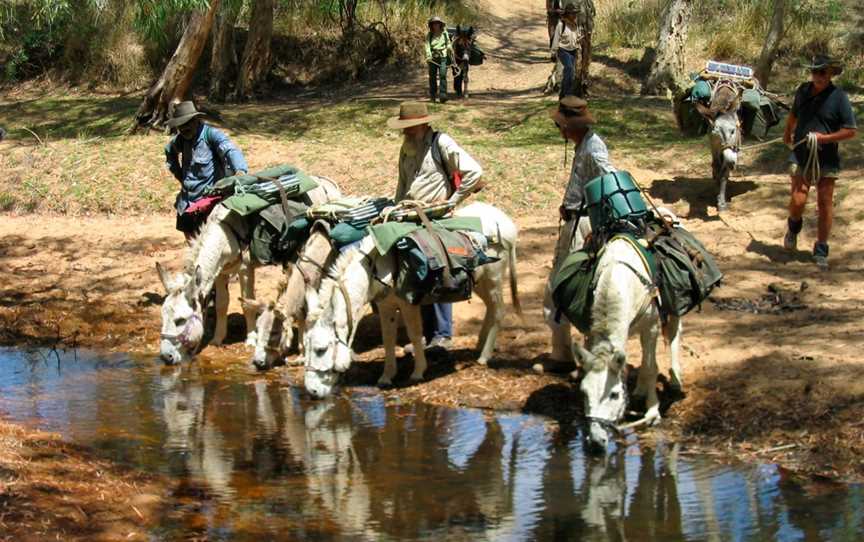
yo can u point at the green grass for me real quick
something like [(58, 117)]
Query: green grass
[(88, 165)]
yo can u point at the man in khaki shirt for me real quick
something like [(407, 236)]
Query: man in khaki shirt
[(432, 169)]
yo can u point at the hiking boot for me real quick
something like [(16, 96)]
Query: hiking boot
[(790, 241), (820, 255), (442, 343)]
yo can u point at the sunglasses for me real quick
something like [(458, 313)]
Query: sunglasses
[(820, 71)]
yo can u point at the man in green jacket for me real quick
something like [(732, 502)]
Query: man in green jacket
[(438, 47)]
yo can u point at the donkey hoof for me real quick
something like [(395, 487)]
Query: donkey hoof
[(722, 206), (252, 339), (483, 361), (385, 383), (416, 378)]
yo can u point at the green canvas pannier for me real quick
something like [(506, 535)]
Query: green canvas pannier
[(436, 265), (612, 198), (687, 271), (573, 289)]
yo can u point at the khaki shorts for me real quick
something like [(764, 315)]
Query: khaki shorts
[(797, 170)]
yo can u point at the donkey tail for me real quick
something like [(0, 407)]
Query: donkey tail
[(514, 281)]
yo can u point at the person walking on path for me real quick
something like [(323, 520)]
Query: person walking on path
[(567, 46), (462, 55), (438, 47), (198, 156), (591, 160), (433, 168), (821, 117)]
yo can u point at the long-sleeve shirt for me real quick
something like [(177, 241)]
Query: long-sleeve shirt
[(201, 161), (567, 37), (591, 160), (437, 46), (424, 179)]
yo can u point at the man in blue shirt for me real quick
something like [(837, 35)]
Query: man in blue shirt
[(821, 117), (198, 156)]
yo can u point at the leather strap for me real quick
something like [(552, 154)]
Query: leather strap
[(282, 195), (448, 265)]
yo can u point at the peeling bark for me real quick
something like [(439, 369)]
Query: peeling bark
[(667, 70), (223, 56), (256, 56), (772, 44), (173, 84)]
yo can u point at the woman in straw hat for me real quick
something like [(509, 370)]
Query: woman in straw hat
[(821, 116), (591, 160), (432, 169), (198, 156), (438, 47)]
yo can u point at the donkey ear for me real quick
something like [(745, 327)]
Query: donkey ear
[(198, 278), (163, 276), (585, 357), (619, 360)]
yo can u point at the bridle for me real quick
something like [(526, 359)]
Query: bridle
[(183, 337)]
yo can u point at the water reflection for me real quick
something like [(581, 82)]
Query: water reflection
[(251, 459)]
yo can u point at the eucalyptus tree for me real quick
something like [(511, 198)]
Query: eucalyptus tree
[(667, 70)]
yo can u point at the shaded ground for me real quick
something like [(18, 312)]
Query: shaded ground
[(54, 490)]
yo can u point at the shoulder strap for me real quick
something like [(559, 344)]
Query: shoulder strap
[(438, 156)]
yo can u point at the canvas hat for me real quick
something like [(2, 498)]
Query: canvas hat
[(183, 113), (410, 114), (433, 20), (821, 61), (571, 112)]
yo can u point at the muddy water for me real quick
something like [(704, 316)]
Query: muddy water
[(250, 459)]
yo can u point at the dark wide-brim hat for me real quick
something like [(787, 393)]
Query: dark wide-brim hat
[(410, 114), (572, 112), (819, 62), (183, 113)]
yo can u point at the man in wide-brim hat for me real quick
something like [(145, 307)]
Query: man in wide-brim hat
[(432, 169), (823, 110), (198, 156), (574, 121), (438, 47)]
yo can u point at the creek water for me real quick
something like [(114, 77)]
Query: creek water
[(247, 458)]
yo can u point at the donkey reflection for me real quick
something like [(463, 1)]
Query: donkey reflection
[(189, 431)]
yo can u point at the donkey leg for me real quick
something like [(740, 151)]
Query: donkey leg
[(221, 287), (647, 383), (387, 315), (414, 327), (247, 287), (490, 291), (675, 331), (722, 205)]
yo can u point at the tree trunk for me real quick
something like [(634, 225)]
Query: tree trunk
[(256, 56), (772, 44), (552, 17), (667, 70), (175, 80), (223, 57)]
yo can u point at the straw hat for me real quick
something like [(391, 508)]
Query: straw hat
[(433, 20), (410, 114), (572, 112), (183, 113)]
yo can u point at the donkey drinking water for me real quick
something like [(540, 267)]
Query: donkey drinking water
[(361, 276), (214, 256)]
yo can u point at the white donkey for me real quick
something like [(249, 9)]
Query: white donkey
[(361, 276), (276, 320), (216, 254), (624, 305)]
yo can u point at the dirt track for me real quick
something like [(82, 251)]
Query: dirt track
[(755, 381)]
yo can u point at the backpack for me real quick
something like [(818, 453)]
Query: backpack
[(454, 178), (687, 271)]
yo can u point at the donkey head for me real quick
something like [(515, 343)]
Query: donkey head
[(327, 349), (604, 389), (182, 316), (274, 333)]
